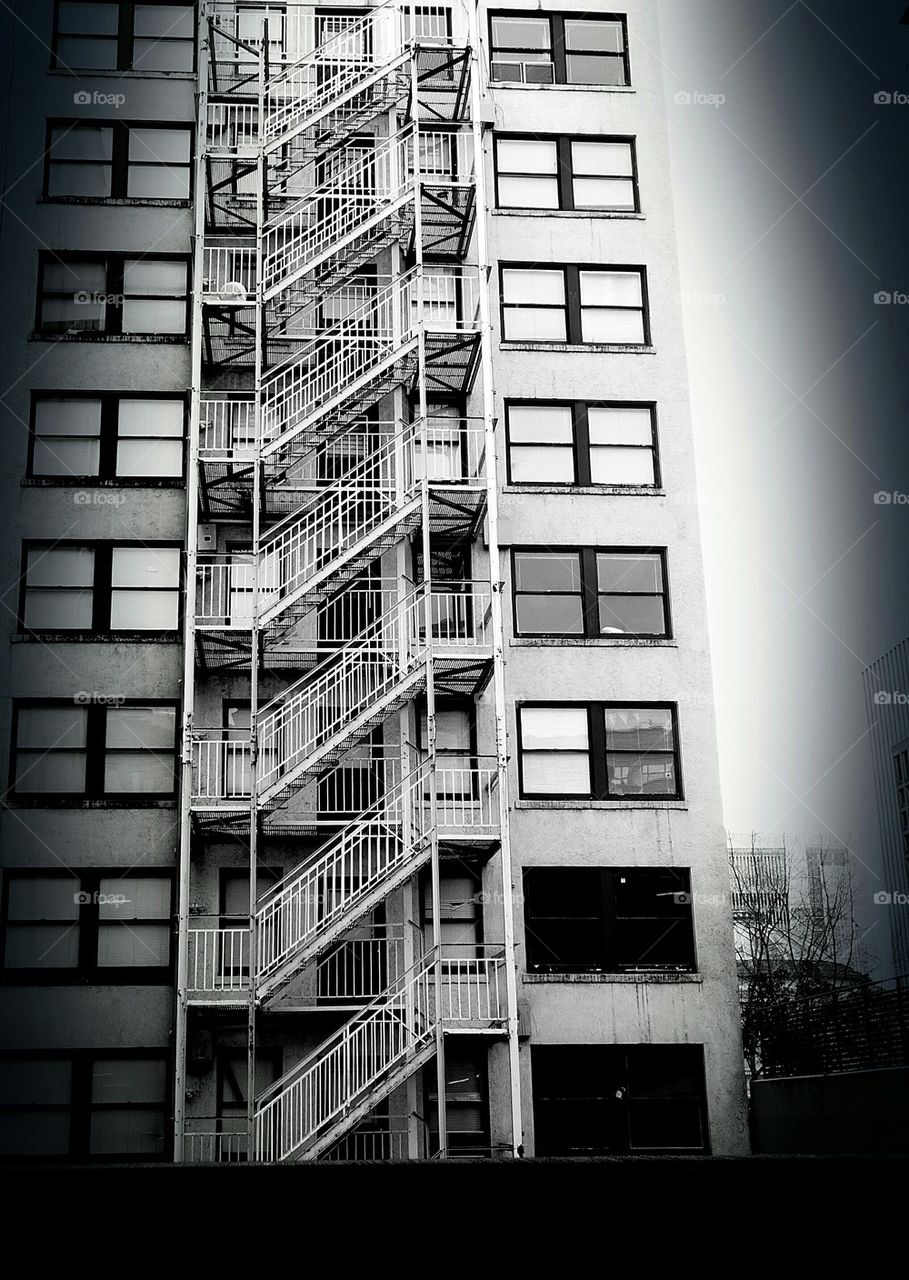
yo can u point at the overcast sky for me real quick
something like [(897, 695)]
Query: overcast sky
[(791, 207)]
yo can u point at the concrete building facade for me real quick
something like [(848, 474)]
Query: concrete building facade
[(363, 796), (887, 701)]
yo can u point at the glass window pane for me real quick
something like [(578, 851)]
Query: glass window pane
[(154, 278), (547, 571), (556, 772), (151, 727), (163, 55), (70, 316), (74, 277), (558, 728), (61, 566), (157, 182), (145, 567), (610, 288), (35, 1133), (617, 572), (585, 33), (151, 418), (521, 33), (533, 285), (154, 317), (542, 466), (604, 193), (43, 898), (631, 615), (172, 20), (640, 775), (43, 946), (39, 773), (639, 728), (144, 610), (85, 142), (539, 324), (89, 55), (68, 417), (146, 897), (87, 19), (550, 615), (160, 146), (58, 610), (142, 946), (528, 193), (604, 159), (526, 155), (138, 772), (620, 424), (150, 458), (35, 1080), (51, 727), (599, 324), (540, 424), (589, 68), (66, 457), (91, 180), (128, 1080)]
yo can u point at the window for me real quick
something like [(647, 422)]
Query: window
[(100, 587), (589, 592), (588, 920), (466, 1102), (94, 924), (84, 1105), (124, 35), (77, 751), (121, 161), (91, 296), (597, 1100), (575, 304), (460, 915), (566, 173), (901, 765), (599, 751), (559, 49), (107, 437), (582, 444)]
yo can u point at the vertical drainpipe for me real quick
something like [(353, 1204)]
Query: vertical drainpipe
[(189, 612), (492, 516)]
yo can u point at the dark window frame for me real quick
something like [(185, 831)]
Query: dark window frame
[(564, 174), (95, 751), (87, 971), (557, 46), (589, 592), (572, 306), (114, 267), (125, 38), (81, 1106), (108, 437), (580, 443), (102, 588), (601, 907), (596, 751), (453, 1101), (120, 162)]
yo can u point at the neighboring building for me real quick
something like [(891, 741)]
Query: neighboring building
[(395, 694), (887, 698)]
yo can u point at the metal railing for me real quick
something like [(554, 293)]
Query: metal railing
[(218, 960), (215, 1140), (363, 963), (229, 274), (371, 1146), (227, 428)]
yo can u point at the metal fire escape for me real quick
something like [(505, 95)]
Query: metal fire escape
[(341, 326)]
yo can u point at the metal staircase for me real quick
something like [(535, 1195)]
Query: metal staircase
[(335, 306)]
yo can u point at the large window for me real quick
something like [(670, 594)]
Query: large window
[(101, 587), (589, 920), (566, 173), (92, 749), (118, 161), (598, 1100), (574, 304), (581, 444), (124, 35), (590, 592), (107, 436), (599, 751), (84, 1105), (93, 296), (94, 925), (559, 48)]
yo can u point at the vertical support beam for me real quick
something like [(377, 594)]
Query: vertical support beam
[(495, 569), (189, 626)]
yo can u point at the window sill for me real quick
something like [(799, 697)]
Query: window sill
[(593, 642), (81, 802), (108, 637), (117, 202), (132, 977), (645, 803), (566, 213), (600, 490), (591, 348), (564, 88), (94, 482), (165, 339), (97, 73), (621, 979)]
